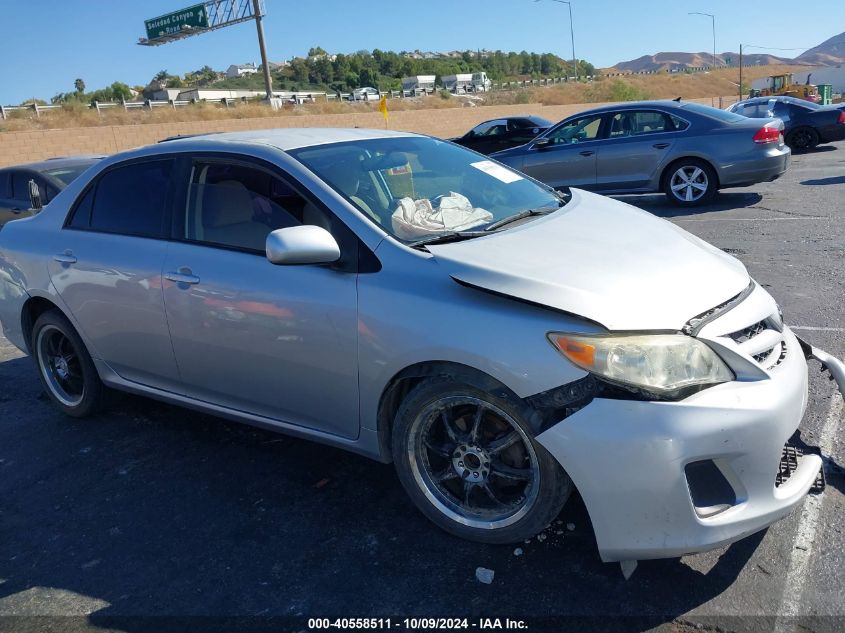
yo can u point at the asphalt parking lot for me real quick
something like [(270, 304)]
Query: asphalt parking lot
[(150, 510)]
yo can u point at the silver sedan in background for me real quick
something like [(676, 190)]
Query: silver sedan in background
[(687, 150), (403, 297)]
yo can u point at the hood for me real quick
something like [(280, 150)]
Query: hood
[(603, 260)]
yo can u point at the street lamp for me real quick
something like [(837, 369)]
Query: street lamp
[(713, 18), (571, 34)]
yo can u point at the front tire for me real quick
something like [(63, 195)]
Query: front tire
[(690, 182), (803, 139), (65, 368), (470, 463)]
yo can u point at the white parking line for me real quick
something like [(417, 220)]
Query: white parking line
[(812, 328), (802, 548)]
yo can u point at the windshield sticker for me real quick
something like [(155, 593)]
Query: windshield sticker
[(497, 171)]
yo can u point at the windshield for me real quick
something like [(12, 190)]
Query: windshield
[(66, 175), (417, 188), (713, 113)]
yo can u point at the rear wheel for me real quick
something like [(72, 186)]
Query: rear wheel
[(470, 463), (803, 139), (690, 182), (65, 368)]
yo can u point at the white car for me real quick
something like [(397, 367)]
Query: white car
[(365, 94), (407, 299)]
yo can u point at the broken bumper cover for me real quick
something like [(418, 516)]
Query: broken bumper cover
[(628, 460), (832, 364)]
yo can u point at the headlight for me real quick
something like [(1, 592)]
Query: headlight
[(665, 364)]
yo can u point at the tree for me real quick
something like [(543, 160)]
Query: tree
[(300, 70), (161, 76), (120, 91), (79, 85), (316, 51)]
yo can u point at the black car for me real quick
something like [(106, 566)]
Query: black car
[(51, 176), (498, 134), (806, 124)]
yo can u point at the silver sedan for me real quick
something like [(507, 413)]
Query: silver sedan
[(687, 150), (405, 298)]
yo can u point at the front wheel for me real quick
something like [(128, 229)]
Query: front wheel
[(690, 182), (470, 463)]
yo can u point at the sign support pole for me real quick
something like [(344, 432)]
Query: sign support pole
[(268, 82)]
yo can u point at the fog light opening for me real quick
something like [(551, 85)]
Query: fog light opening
[(710, 491)]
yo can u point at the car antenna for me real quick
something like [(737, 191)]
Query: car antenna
[(677, 99)]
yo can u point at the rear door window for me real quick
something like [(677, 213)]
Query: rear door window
[(638, 123), (5, 188), (132, 199), (489, 128)]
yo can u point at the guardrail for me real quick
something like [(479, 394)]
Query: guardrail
[(99, 106), (299, 98)]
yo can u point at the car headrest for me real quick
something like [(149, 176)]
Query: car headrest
[(226, 203)]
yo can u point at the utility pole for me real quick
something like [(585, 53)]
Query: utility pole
[(571, 35), (740, 72), (259, 25), (713, 18)]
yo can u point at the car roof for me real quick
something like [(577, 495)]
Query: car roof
[(781, 98), (634, 105), (531, 117), (58, 163), (291, 138)]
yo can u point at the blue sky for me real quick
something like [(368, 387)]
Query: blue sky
[(48, 43)]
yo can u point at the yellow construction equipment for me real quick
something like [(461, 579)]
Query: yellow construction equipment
[(783, 86)]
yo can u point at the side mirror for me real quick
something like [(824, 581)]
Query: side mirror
[(306, 244), (35, 196), (542, 143)]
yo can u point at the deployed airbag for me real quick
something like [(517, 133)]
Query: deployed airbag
[(414, 219)]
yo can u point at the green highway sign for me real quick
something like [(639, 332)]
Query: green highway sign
[(174, 23)]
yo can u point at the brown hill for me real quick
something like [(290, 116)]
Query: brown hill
[(829, 53), (682, 61)]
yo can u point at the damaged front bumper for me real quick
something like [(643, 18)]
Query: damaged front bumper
[(664, 479), (829, 363)]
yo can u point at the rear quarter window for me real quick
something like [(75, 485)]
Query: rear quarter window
[(5, 190), (81, 214)]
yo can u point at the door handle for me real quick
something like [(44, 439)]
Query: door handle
[(587, 152), (182, 276), (661, 145), (65, 258)]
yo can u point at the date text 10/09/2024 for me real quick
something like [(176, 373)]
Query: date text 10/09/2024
[(416, 624)]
